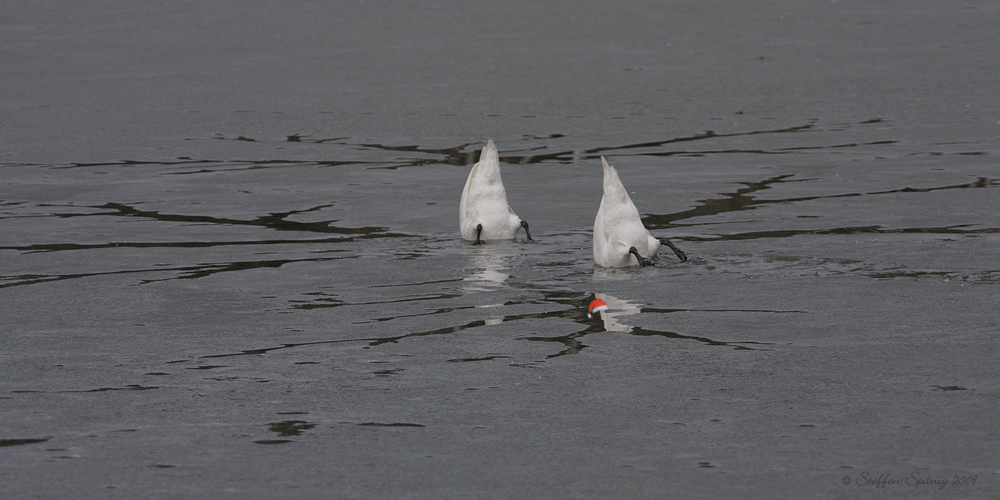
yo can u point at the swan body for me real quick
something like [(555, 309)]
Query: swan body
[(483, 212), (620, 239)]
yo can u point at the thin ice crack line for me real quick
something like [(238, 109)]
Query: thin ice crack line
[(276, 221), (574, 345), (708, 134), (373, 341), (778, 151), (457, 155), (956, 229), (194, 272), (563, 313), (741, 199), (458, 152), (330, 301), (453, 156), (443, 310), (228, 165), (59, 247), (770, 311)]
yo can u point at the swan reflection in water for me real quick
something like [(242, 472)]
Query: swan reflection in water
[(488, 266), (488, 275)]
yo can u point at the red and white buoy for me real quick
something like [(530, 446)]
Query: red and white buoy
[(596, 306)]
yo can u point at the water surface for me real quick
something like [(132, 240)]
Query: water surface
[(231, 261)]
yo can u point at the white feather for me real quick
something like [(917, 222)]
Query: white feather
[(618, 227), (484, 201)]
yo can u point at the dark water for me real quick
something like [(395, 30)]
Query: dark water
[(230, 261)]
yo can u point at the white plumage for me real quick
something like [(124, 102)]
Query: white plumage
[(484, 213), (620, 239)]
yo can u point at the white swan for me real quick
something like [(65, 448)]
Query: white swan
[(620, 239), (484, 213)]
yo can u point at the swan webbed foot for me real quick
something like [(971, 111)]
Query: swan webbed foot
[(479, 232), (643, 262), (678, 251), (527, 233)]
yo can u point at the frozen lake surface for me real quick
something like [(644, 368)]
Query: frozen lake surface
[(230, 259)]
